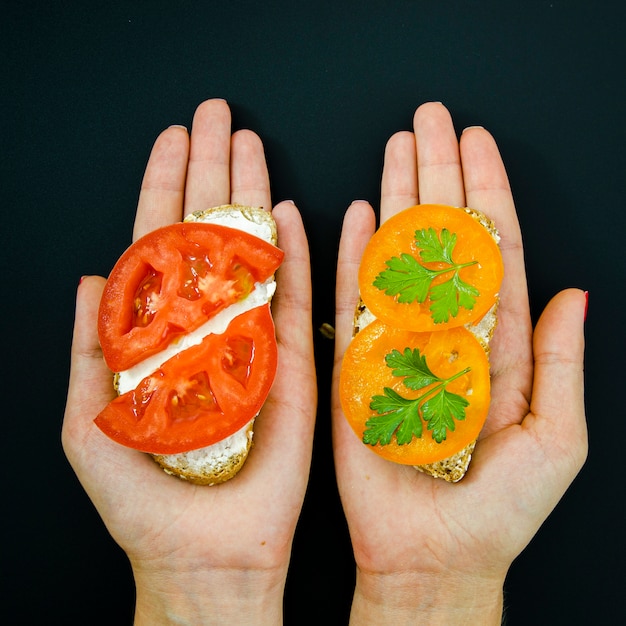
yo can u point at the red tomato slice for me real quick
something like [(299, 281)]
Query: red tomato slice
[(203, 394), (171, 281)]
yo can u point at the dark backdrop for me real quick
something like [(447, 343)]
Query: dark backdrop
[(86, 88)]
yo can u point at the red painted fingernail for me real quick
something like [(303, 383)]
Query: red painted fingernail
[(586, 305), (81, 279)]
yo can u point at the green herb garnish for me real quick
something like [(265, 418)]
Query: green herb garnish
[(409, 280), (404, 417)]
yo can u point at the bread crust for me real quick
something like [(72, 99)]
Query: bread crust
[(211, 465), (238, 213), (453, 468)]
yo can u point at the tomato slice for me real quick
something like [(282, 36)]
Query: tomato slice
[(203, 394), (174, 279), (464, 290), (365, 373)]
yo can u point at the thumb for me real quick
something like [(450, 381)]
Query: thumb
[(557, 401), (90, 385)]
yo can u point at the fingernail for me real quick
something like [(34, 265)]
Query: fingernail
[(586, 305), (470, 128), (178, 126), (81, 279)]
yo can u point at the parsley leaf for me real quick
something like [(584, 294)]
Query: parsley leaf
[(434, 248), (441, 410), (449, 296), (404, 417), (405, 278), (410, 281), (394, 412), (413, 366)]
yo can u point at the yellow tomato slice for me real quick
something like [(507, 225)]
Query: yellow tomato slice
[(475, 252), (365, 374)]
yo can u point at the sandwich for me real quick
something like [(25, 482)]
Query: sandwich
[(185, 326), (415, 382)]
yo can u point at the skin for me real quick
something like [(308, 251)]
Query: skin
[(204, 555), (427, 551)]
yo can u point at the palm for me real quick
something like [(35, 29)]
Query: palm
[(404, 521), (154, 516)]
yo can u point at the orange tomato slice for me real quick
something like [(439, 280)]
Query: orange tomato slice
[(365, 374), (476, 257)]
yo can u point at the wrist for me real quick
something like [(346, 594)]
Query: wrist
[(214, 596), (407, 598)]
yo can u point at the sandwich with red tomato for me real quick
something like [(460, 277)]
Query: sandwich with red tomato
[(415, 381), (185, 325)]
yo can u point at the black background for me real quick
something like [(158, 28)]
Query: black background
[(86, 88)]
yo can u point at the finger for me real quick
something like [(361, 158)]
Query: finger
[(208, 171), (544, 454), (358, 226), (549, 448), (487, 189), (86, 355), (292, 302), (289, 413), (557, 405), (163, 187), (91, 382), (249, 178), (399, 178), (103, 466), (439, 175), (351, 456)]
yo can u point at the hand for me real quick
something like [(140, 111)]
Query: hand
[(428, 551), (205, 554)]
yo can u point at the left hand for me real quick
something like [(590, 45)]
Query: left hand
[(205, 554)]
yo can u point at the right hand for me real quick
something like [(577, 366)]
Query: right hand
[(432, 552)]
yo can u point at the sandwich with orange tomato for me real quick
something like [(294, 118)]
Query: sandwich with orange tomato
[(415, 380), (185, 325)]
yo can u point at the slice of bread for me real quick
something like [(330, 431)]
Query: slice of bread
[(453, 468), (221, 461), (213, 464)]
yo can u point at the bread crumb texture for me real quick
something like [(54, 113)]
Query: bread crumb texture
[(451, 469), (212, 465)]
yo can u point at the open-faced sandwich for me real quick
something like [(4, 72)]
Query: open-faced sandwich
[(415, 382), (185, 325)]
